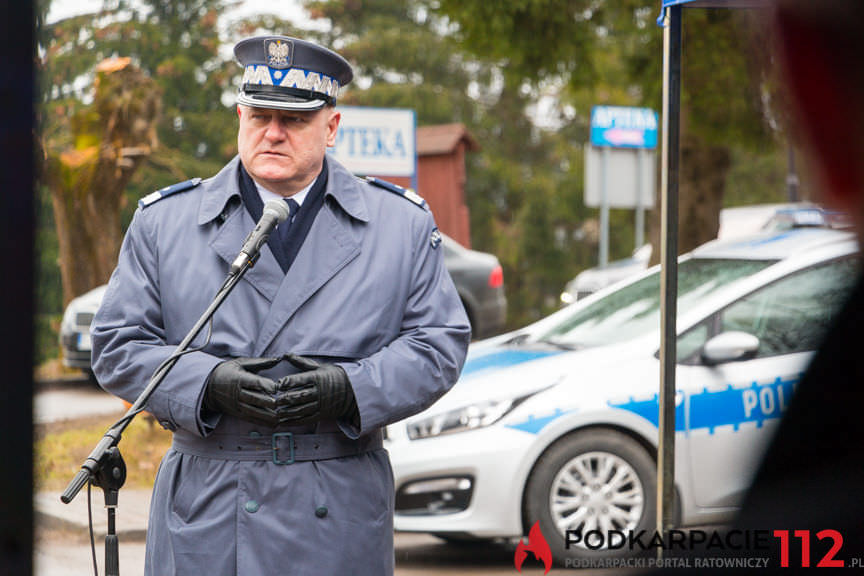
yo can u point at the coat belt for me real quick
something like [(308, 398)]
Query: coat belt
[(280, 447)]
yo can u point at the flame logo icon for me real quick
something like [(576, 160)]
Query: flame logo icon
[(536, 544)]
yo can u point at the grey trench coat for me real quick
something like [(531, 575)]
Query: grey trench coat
[(367, 290)]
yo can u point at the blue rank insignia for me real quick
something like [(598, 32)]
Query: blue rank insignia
[(406, 193), (435, 238), (154, 197)]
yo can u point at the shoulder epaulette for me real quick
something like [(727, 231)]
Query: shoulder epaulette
[(154, 197), (406, 193)]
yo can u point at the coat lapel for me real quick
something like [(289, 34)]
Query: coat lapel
[(333, 241), (266, 275)]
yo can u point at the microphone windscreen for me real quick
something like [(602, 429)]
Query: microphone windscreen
[(277, 208)]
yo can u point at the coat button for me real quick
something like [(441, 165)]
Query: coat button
[(252, 506), (321, 511)]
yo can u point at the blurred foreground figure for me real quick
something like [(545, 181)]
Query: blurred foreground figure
[(813, 474), (808, 494)]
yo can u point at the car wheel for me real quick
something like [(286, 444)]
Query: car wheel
[(592, 482)]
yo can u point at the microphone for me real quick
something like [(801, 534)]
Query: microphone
[(275, 212)]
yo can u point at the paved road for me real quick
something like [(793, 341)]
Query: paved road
[(72, 399), (67, 553)]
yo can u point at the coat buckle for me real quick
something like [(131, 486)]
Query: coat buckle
[(274, 442)]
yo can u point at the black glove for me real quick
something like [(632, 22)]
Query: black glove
[(319, 392), (235, 388)]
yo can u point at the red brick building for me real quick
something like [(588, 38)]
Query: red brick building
[(441, 153)]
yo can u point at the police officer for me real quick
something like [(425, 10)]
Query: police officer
[(347, 322)]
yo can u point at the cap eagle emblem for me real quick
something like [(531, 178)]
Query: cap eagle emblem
[(278, 53)]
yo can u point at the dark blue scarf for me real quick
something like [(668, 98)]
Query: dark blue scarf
[(285, 251)]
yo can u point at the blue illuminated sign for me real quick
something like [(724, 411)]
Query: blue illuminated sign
[(623, 127)]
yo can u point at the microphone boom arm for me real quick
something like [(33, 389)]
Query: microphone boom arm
[(100, 453), (275, 212)]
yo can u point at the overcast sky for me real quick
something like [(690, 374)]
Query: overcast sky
[(288, 8)]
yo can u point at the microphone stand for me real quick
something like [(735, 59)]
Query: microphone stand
[(105, 466)]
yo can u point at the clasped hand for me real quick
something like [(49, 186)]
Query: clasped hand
[(317, 392)]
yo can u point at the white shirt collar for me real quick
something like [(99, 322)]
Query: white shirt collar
[(299, 197)]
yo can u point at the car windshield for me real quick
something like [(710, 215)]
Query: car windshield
[(634, 310)]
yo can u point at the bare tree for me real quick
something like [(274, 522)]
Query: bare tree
[(87, 178)]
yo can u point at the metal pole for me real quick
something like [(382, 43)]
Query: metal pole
[(669, 265), (111, 438), (640, 207), (604, 206)]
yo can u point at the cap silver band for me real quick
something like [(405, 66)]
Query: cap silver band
[(291, 78)]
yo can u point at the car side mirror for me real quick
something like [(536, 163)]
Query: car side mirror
[(729, 347)]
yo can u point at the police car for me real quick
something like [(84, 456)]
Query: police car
[(557, 423), (734, 222)]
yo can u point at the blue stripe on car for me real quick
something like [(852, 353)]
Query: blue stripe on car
[(534, 425), (503, 359), (649, 409), (709, 409), (756, 403)]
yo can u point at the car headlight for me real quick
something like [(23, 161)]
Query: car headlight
[(463, 419)]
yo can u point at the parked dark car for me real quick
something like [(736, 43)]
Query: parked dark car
[(478, 278)]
